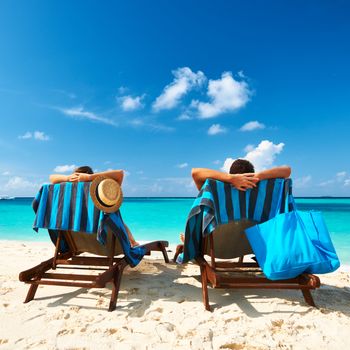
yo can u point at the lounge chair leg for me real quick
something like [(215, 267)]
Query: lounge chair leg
[(31, 293), (115, 290), (165, 254), (308, 297), (205, 288)]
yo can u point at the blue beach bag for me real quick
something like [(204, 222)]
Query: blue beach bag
[(293, 243)]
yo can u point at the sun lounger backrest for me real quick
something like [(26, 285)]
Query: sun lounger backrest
[(87, 243), (230, 240), (219, 203)]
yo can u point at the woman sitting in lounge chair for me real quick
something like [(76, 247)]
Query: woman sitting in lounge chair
[(86, 174)]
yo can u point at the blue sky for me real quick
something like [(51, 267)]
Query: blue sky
[(157, 88)]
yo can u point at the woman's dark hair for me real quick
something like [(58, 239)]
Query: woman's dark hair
[(84, 169), (241, 166)]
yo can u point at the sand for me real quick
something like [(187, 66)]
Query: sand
[(160, 307)]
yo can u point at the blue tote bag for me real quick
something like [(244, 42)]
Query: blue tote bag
[(293, 243)]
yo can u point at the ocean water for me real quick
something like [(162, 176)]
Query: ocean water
[(165, 218)]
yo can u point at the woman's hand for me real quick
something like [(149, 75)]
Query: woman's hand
[(244, 181), (81, 177)]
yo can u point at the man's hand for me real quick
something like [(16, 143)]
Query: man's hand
[(244, 181)]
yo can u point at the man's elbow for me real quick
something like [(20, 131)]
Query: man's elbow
[(120, 177), (194, 173)]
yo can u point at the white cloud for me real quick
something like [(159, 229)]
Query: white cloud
[(79, 112), (182, 165), (326, 183), (27, 135), (248, 148), (225, 94), (253, 125), (19, 183), (64, 168), (5, 173), (184, 116), (174, 183), (302, 182), (129, 103), (150, 125), (122, 90), (347, 182), (227, 164), (184, 81), (241, 74), (338, 178), (40, 135), (341, 175), (216, 129), (262, 156), (36, 135)]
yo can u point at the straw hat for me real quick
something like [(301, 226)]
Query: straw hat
[(106, 194)]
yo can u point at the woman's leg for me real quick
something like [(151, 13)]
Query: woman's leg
[(133, 243)]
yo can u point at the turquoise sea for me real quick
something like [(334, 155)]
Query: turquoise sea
[(164, 218)]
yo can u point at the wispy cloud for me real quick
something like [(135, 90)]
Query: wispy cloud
[(71, 95), (122, 90), (80, 113), (20, 183), (253, 125), (182, 165), (184, 116), (184, 81), (35, 135), (129, 103), (64, 168), (225, 94), (5, 173), (262, 156), (303, 181), (339, 178), (149, 124), (216, 129)]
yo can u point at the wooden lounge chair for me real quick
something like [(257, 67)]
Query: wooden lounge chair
[(228, 242), (78, 224), (109, 264), (215, 235)]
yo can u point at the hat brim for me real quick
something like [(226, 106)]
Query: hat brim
[(98, 203)]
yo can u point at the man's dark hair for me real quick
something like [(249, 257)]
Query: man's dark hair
[(241, 166), (84, 169)]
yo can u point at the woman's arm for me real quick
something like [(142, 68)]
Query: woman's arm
[(281, 171), (57, 178), (117, 175), (240, 181)]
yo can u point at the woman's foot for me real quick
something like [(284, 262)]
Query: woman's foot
[(182, 237), (134, 243)]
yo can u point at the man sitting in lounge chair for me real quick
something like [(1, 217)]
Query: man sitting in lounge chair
[(86, 174), (242, 175)]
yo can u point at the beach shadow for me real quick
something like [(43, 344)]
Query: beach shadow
[(245, 299), (170, 282)]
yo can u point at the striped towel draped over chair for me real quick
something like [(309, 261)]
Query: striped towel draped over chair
[(220, 203), (69, 206)]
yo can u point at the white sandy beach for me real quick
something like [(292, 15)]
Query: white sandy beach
[(160, 307)]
